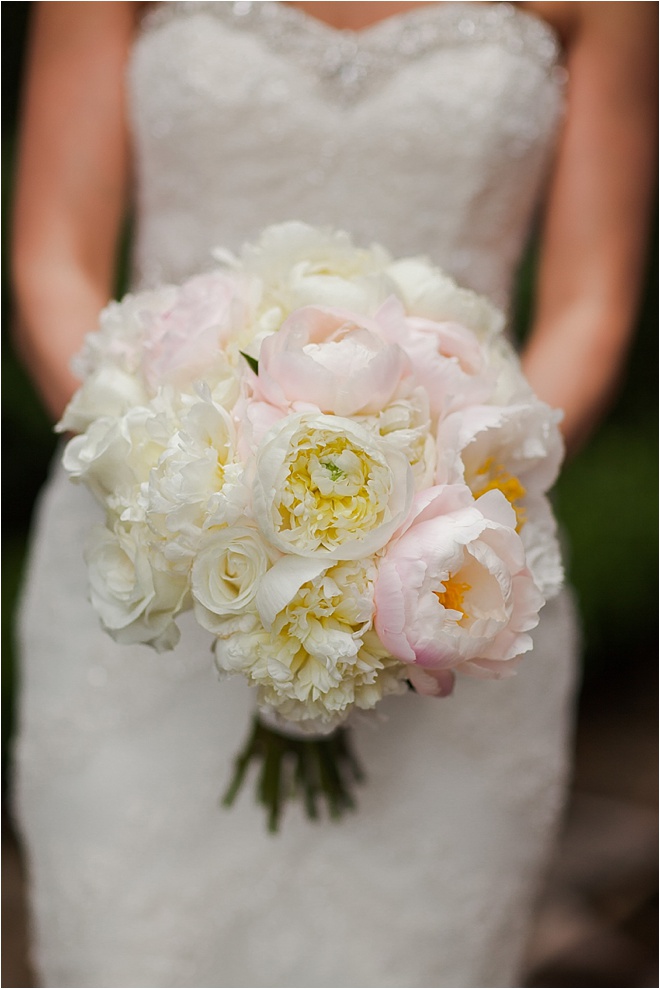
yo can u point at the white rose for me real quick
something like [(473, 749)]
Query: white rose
[(135, 599), (226, 574)]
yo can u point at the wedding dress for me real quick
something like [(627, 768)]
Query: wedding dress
[(430, 132)]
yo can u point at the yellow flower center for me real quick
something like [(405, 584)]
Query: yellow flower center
[(333, 490), (453, 595), (493, 477)]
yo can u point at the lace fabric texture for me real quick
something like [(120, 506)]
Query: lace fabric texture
[(431, 133)]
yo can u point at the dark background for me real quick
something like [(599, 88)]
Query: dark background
[(607, 502)]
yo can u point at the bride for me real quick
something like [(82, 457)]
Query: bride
[(432, 128)]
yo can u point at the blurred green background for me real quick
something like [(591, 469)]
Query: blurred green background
[(606, 499)]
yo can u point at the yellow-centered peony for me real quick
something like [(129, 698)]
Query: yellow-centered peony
[(493, 477), (324, 485), (453, 595)]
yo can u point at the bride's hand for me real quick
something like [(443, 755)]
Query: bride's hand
[(594, 238), (71, 185)]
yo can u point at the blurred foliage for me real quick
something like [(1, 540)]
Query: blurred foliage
[(606, 498)]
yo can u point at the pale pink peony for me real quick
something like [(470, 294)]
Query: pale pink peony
[(332, 359), (447, 358), (516, 449), (183, 341), (450, 363), (453, 590)]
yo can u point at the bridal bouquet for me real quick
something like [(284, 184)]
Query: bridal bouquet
[(334, 459)]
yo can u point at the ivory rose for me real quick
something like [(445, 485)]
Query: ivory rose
[(134, 593), (226, 574)]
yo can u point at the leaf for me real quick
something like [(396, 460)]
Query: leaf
[(252, 361)]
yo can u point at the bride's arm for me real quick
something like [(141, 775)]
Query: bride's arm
[(594, 238), (71, 184)]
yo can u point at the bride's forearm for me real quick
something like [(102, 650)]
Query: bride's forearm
[(71, 183), (56, 307), (593, 245), (575, 363)]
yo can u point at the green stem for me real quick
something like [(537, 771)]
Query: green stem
[(297, 769)]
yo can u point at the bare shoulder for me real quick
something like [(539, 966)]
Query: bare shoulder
[(600, 22), (69, 19)]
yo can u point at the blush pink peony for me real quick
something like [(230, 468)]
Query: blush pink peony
[(183, 341), (453, 590), (332, 359)]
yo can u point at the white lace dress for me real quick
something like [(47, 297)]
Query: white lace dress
[(431, 133)]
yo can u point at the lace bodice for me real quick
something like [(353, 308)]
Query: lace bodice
[(429, 131)]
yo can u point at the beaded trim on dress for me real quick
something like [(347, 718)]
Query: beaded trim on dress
[(347, 61)]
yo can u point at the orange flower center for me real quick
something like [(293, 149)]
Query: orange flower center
[(452, 596), (493, 477)]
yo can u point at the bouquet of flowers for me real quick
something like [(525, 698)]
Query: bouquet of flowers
[(334, 459)]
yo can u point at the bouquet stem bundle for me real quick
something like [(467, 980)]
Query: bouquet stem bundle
[(311, 770)]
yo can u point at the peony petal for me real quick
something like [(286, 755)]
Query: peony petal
[(280, 584)]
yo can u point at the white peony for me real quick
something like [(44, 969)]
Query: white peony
[(300, 265), (405, 425), (326, 486), (316, 656), (198, 481), (115, 455), (428, 292), (122, 332), (108, 391)]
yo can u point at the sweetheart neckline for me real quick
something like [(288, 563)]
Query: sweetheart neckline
[(401, 17), (487, 10)]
